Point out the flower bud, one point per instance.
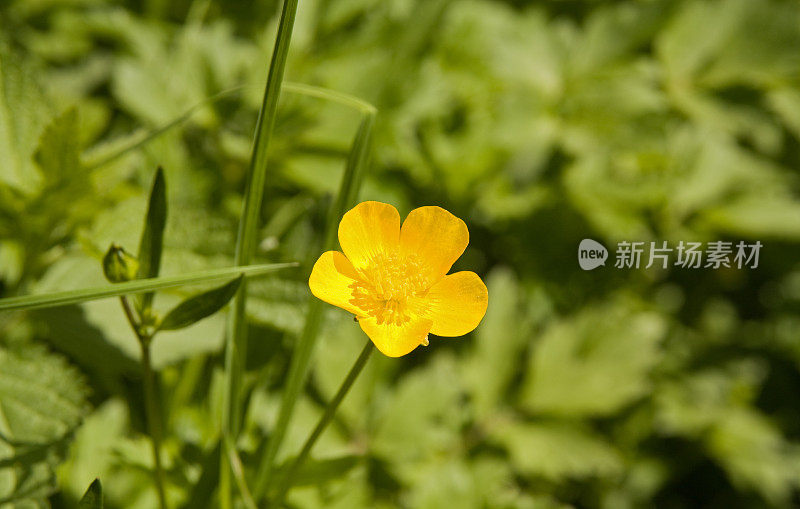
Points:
(119, 265)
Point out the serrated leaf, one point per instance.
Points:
(711, 407)
(558, 450)
(24, 112)
(200, 306)
(152, 242)
(93, 498)
(59, 150)
(499, 341)
(593, 363)
(424, 413)
(42, 401)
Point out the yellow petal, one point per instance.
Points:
(436, 237)
(370, 228)
(456, 304)
(396, 340)
(331, 278)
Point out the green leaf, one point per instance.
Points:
(42, 402)
(134, 287)
(94, 450)
(423, 414)
(558, 450)
(200, 306)
(24, 111)
(316, 472)
(58, 153)
(102, 155)
(593, 363)
(278, 303)
(500, 340)
(152, 242)
(684, 47)
(711, 406)
(202, 492)
(93, 498)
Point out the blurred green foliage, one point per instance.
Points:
(539, 123)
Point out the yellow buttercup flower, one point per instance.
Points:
(395, 279)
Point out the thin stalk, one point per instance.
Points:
(236, 338)
(153, 419)
(93, 161)
(238, 474)
(298, 369)
(326, 418)
(152, 413)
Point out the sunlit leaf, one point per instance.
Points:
(152, 241)
(200, 306)
(93, 498)
(593, 363)
(42, 401)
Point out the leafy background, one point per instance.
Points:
(539, 123)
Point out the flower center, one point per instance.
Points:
(387, 287)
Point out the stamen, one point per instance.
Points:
(387, 285)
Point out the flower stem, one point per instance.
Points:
(153, 419)
(326, 418)
(152, 413)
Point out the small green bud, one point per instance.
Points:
(119, 265)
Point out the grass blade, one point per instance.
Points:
(96, 158)
(327, 94)
(236, 346)
(135, 287)
(236, 337)
(298, 370)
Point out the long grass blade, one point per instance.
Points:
(135, 287)
(96, 158)
(298, 370)
(330, 95)
(248, 224)
(236, 337)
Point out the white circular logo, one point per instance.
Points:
(591, 254)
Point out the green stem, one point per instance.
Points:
(236, 339)
(153, 419)
(326, 418)
(237, 469)
(152, 413)
(298, 369)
